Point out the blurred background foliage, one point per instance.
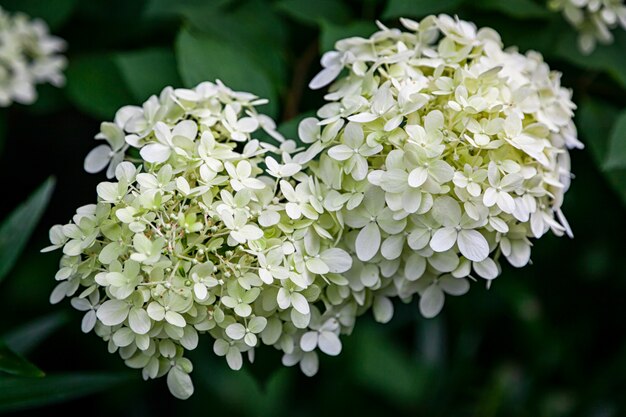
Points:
(546, 340)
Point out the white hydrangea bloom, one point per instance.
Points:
(196, 239)
(437, 153)
(447, 153)
(29, 55)
(593, 19)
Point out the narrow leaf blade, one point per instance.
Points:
(20, 393)
(17, 228)
(14, 364)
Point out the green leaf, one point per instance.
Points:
(314, 12)
(14, 364)
(419, 8)
(201, 58)
(55, 13)
(594, 119)
(183, 8)
(96, 86)
(331, 32)
(616, 155)
(20, 393)
(148, 71)
(28, 336)
(608, 58)
(382, 367)
(241, 391)
(17, 228)
(521, 9)
(255, 29)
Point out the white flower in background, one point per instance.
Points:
(29, 55)
(593, 19)
(457, 148)
(197, 239)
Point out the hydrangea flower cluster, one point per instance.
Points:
(197, 239)
(594, 19)
(442, 153)
(28, 56)
(437, 153)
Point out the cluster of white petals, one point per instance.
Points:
(442, 153)
(197, 239)
(28, 56)
(437, 154)
(594, 19)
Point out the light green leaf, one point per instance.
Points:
(55, 13)
(14, 364)
(148, 71)
(96, 86)
(17, 228)
(28, 336)
(521, 9)
(419, 8)
(20, 393)
(331, 32)
(313, 12)
(201, 58)
(616, 154)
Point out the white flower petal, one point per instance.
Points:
(325, 77)
(431, 301)
(308, 341)
(443, 239)
(368, 242)
(454, 286)
(309, 363)
(338, 260)
(473, 245)
(113, 312)
(236, 331)
(234, 359)
(300, 303)
(308, 130)
(382, 309)
(487, 269)
(175, 319)
(98, 159)
(329, 343)
(179, 383)
(415, 267)
(317, 266)
(418, 177)
(155, 153)
(139, 321)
